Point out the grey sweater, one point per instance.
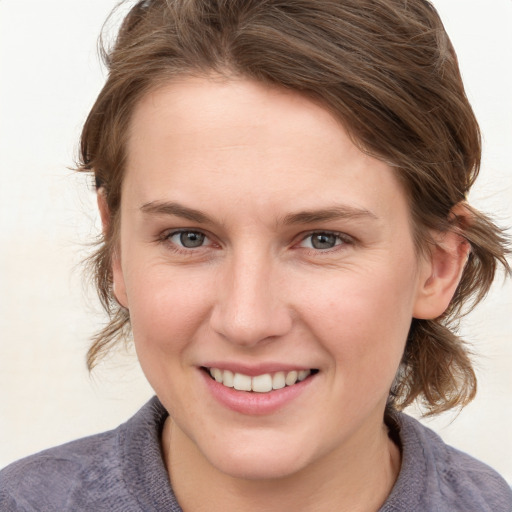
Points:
(122, 470)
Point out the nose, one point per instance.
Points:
(251, 307)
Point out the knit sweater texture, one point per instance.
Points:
(122, 471)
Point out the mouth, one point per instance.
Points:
(264, 383)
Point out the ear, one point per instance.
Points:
(101, 198)
(442, 269)
(118, 284)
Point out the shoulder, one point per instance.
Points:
(87, 474)
(48, 479)
(440, 478)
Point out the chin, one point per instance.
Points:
(260, 460)
(265, 468)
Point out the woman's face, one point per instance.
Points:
(259, 243)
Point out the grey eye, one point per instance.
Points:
(322, 241)
(188, 239)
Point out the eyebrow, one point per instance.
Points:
(176, 209)
(301, 217)
(334, 213)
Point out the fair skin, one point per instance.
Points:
(256, 238)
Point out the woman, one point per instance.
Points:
(282, 187)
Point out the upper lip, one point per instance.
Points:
(253, 370)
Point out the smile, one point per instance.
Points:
(259, 383)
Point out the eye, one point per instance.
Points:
(323, 240)
(187, 239)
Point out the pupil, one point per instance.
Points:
(191, 239)
(323, 241)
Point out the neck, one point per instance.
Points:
(357, 479)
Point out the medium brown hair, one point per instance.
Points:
(385, 68)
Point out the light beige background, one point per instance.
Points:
(49, 77)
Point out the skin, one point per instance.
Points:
(251, 158)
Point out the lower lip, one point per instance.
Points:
(252, 403)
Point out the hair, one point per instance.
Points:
(386, 69)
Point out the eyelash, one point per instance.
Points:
(342, 240)
(166, 239)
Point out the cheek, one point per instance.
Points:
(168, 312)
(166, 307)
(363, 319)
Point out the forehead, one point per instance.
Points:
(226, 113)
(248, 143)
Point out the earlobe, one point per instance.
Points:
(441, 273)
(118, 284)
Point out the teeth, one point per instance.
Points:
(228, 379)
(279, 380)
(242, 382)
(260, 383)
(302, 375)
(291, 378)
